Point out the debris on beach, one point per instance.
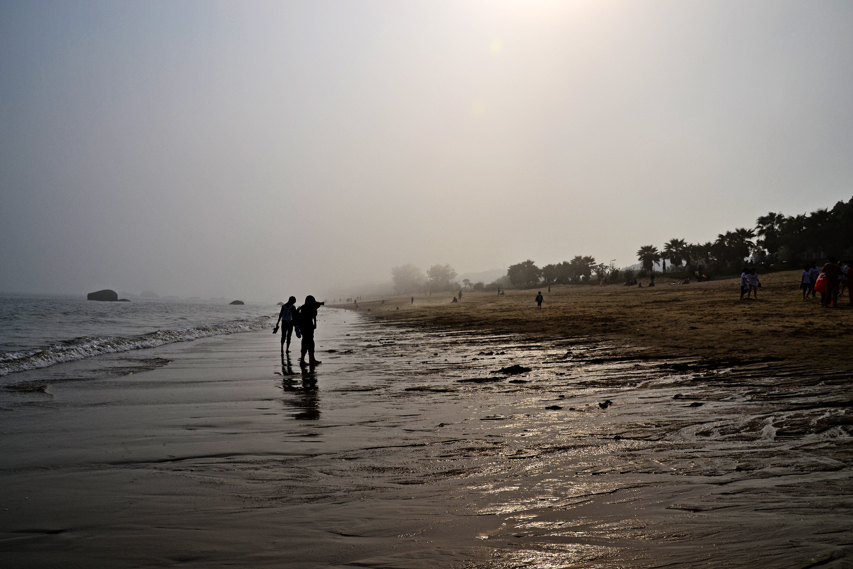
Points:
(605, 404)
(513, 370)
(553, 408)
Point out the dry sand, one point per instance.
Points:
(699, 319)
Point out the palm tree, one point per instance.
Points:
(675, 250)
(732, 247)
(769, 228)
(648, 256)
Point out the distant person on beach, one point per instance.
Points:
(832, 272)
(539, 300)
(307, 322)
(806, 281)
(413, 300)
(814, 272)
(845, 270)
(753, 282)
(744, 283)
(286, 318)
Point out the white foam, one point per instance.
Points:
(88, 347)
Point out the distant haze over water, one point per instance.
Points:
(256, 149)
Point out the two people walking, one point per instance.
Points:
(303, 321)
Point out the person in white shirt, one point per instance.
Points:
(806, 281)
(754, 283)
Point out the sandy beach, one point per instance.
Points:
(704, 319)
(481, 434)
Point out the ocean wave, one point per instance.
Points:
(89, 346)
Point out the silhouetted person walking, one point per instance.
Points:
(286, 317)
(307, 322)
(832, 272)
(539, 300)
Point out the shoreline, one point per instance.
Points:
(704, 319)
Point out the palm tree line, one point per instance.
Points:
(776, 241)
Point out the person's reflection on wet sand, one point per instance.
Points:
(306, 398)
(286, 365)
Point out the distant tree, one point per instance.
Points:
(600, 270)
(698, 256)
(580, 268)
(524, 274)
(648, 255)
(499, 284)
(550, 274)
(479, 286)
(408, 279)
(467, 284)
(440, 277)
(768, 228)
(733, 247)
(563, 272)
(676, 251)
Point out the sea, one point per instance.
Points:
(38, 332)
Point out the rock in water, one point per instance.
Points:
(106, 294)
(237, 302)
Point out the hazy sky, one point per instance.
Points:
(260, 149)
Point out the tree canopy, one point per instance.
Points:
(408, 279)
(524, 274)
(440, 277)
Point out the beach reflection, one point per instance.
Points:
(302, 385)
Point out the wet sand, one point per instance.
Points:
(439, 439)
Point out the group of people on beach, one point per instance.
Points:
(830, 281)
(749, 283)
(303, 321)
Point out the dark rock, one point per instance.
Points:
(553, 407)
(105, 295)
(237, 302)
(605, 404)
